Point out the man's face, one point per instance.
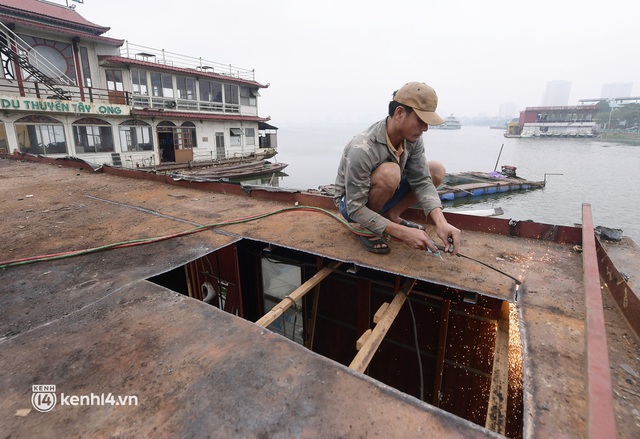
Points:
(411, 126)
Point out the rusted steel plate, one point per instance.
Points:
(31, 295)
(62, 217)
(554, 380)
(619, 265)
(195, 372)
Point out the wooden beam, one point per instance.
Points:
(368, 350)
(296, 295)
(497, 407)
(363, 339)
(378, 315)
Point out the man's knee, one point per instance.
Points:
(437, 171)
(386, 176)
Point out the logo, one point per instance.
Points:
(44, 397)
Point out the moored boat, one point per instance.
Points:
(68, 90)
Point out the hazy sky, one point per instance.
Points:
(340, 60)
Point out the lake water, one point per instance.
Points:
(603, 174)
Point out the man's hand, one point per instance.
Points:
(450, 236)
(414, 238)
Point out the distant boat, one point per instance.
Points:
(450, 123)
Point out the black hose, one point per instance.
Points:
(515, 279)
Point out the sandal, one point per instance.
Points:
(411, 224)
(370, 244)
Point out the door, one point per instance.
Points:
(220, 154)
(115, 87)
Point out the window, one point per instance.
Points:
(210, 96)
(114, 80)
(135, 135)
(53, 58)
(139, 80)
(210, 91)
(4, 145)
(248, 96)
(279, 280)
(191, 128)
(250, 134)
(236, 136)
(186, 88)
(40, 135)
(162, 85)
(92, 135)
(84, 62)
(231, 94)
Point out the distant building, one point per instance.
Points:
(556, 93)
(555, 121)
(613, 90)
(508, 110)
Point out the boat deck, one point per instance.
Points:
(94, 324)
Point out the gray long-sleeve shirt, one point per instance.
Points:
(362, 155)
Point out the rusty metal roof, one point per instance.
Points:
(93, 324)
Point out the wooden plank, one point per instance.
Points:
(296, 295)
(363, 339)
(366, 353)
(378, 315)
(497, 407)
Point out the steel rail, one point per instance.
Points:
(601, 421)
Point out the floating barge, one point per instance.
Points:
(475, 184)
(257, 314)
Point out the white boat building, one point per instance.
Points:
(68, 90)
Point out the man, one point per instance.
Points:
(383, 172)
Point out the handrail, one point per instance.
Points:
(161, 56)
(36, 59)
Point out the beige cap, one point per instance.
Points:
(422, 98)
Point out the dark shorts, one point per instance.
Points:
(403, 189)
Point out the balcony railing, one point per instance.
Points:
(164, 57)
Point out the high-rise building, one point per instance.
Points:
(507, 110)
(616, 90)
(556, 94)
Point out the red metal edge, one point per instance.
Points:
(601, 417)
(628, 302)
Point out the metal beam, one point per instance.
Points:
(601, 420)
